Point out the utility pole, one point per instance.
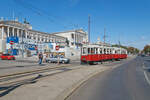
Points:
(13, 15)
(89, 28)
(104, 34)
(22, 51)
(119, 44)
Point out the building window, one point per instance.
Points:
(72, 36)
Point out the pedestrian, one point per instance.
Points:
(44, 57)
(40, 58)
(47, 56)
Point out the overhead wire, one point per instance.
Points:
(41, 12)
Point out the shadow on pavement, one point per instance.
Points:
(20, 66)
(7, 89)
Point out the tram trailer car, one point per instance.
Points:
(94, 53)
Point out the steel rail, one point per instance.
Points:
(2, 77)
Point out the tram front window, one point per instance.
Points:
(84, 51)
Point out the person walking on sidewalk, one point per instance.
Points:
(40, 58)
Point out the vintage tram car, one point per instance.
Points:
(94, 53)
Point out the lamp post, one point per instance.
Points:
(11, 43)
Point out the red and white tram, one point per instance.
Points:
(95, 53)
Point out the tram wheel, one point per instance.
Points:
(90, 62)
(82, 62)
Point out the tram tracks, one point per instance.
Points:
(9, 78)
(12, 81)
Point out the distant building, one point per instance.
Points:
(75, 38)
(102, 44)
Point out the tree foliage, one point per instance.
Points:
(146, 49)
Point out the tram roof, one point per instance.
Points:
(97, 46)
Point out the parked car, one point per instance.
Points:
(56, 58)
(142, 55)
(7, 57)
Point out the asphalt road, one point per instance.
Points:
(126, 82)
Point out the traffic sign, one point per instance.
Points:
(11, 42)
(57, 47)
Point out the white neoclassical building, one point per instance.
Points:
(24, 37)
(26, 40)
(75, 37)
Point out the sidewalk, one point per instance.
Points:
(56, 87)
(33, 58)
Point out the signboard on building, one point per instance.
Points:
(12, 38)
(57, 47)
(30, 46)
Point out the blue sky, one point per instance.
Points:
(124, 20)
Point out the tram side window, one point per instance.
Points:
(104, 51)
(123, 52)
(110, 51)
(89, 51)
(119, 52)
(84, 51)
(113, 51)
(107, 51)
(100, 50)
(92, 50)
(96, 50)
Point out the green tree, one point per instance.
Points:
(146, 49)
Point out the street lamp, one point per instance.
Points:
(22, 42)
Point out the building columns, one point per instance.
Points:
(13, 31)
(8, 31)
(26, 36)
(2, 32)
(17, 32)
(22, 34)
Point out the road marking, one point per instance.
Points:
(145, 74)
(146, 77)
(143, 65)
